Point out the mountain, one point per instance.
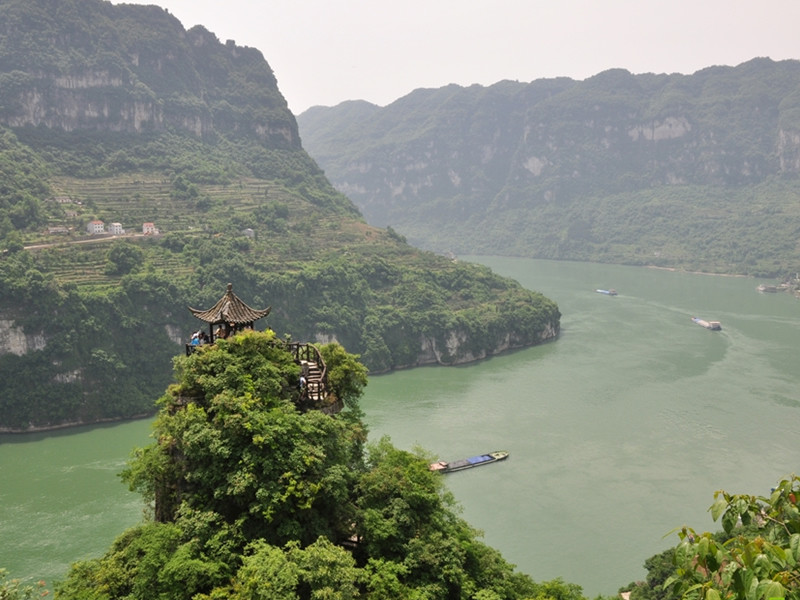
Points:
(142, 168)
(130, 68)
(688, 171)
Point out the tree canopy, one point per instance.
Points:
(252, 498)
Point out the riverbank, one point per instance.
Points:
(677, 270)
(794, 291)
(72, 424)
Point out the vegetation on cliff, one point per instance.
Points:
(101, 344)
(688, 171)
(116, 113)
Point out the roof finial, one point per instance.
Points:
(230, 288)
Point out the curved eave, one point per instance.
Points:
(238, 315)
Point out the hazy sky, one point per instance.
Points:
(326, 51)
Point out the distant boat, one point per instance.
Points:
(712, 325)
(609, 292)
(467, 463)
(767, 288)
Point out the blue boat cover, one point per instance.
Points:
(479, 459)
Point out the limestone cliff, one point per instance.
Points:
(14, 340)
(118, 78)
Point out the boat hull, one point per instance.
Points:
(712, 325)
(468, 463)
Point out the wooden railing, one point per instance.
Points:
(314, 369)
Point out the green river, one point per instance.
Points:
(618, 432)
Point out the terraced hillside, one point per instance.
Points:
(267, 219)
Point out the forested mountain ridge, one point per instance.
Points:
(690, 171)
(115, 113)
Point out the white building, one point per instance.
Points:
(96, 227)
(116, 229)
(149, 229)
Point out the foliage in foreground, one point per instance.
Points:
(254, 499)
(760, 558)
(754, 557)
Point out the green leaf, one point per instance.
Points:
(794, 548)
(777, 554)
(729, 520)
(718, 508)
(762, 565)
(703, 547)
(771, 589)
(751, 591)
(670, 581)
(689, 590)
(712, 594)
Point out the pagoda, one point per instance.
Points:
(228, 316)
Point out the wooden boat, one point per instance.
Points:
(468, 463)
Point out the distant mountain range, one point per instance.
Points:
(690, 171)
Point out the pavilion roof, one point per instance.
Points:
(230, 309)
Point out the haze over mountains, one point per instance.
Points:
(690, 171)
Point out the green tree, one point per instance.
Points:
(266, 574)
(347, 377)
(660, 567)
(320, 570)
(152, 560)
(412, 538)
(13, 242)
(231, 443)
(123, 257)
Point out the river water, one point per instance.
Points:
(618, 432)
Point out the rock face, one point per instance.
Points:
(13, 340)
(458, 348)
(116, 78)
(455, 352)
